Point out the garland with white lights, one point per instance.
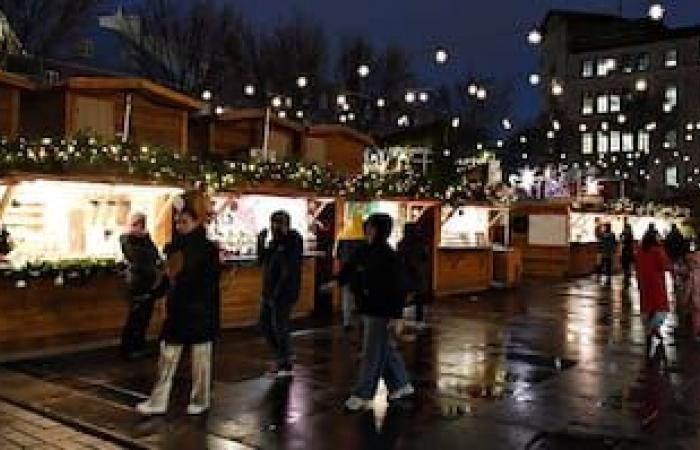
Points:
(64, 273)
(89, 157)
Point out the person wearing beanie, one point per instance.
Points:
(377, 279)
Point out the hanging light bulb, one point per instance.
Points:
(441, 55)
(249, 90)
(302, 82)
(481, 94)
(381, 103)
(206, 95)
(410, 97)
(656, 11)
(534, 79)
(363, 70)
(534, 37)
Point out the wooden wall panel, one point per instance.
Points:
(44, 317)
(461, 271)
(43, 114)
(9, 111)
(156, 124)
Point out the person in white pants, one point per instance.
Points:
(192, 316)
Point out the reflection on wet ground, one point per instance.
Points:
(546, 366)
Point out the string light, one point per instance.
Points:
(656, 11)
(363, 70)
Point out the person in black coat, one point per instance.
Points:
(192, 312)
(377, 278)
(142, 259)
(413, 252)
(627, 254)
(281, 261)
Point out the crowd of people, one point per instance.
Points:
(652, 259)
(376, 282)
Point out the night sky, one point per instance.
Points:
(485, 37)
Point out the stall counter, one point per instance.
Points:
(461, 270)
(43, 318)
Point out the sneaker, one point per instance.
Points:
(147, 409)
(284, 373)
(402, 393)
(354, 403)
(195, 410)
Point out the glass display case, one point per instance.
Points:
(239, 219)
(52, 220)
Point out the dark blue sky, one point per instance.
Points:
(485, 37)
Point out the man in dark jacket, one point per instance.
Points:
(281, 261)
(608, 247)
(142, 260)
(676, 246)
(377, 278)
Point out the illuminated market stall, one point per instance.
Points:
(238, 220)
(62, 285)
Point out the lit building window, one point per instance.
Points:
(627, 64)
(672, 176)
(671, 58)
(587, 69)
(643, 142)
(643, 62)
(670, 98)
(615, 103)
(587, 143)
(602, 104)
(602, 142)
(604, 66)
(614, 142)
(671, 139)
(587, 105)
(627, 142)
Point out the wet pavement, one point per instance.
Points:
(551, 365)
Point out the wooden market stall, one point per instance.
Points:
(67, 293)
(558, 240)
(111, 108)
(474, 252)
(340, 147)
(240, 216)
(11, 88)
(60, 285)
(238, 132)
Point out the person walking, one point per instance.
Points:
(281, 261)
(193, 308)
(414, 257)
(350, 239)
(142, 274)
(652, 263)
(676, 249)
(376, 277)
(608, 246)
(627, 254)
(692, 292)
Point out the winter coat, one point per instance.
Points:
(142, 259)
(608, 244)
(194, 298)
(378, 280)
(346, 248)
(652, 265)
(675, 245)
(627, 254)
(414, 258)
(281, 263)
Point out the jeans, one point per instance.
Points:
(380, 360)
(274, 324)
(348, 300)
(606, 269)
(138, 318)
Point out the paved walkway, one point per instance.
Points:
(551, 365)
(22, 429)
